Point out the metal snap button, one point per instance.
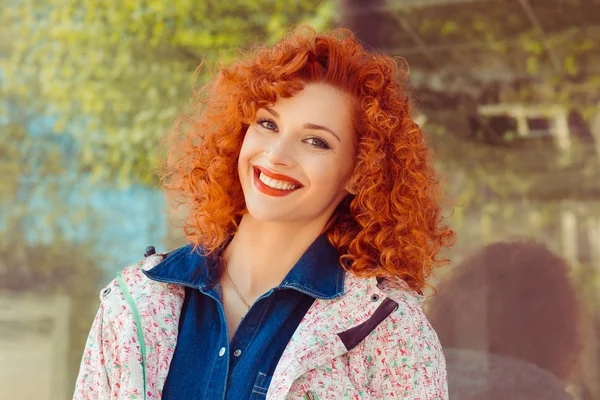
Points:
(105, 292)
(150, 250)
(237, 353)
(222, 352)
(375, 298)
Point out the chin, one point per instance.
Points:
(265, 211)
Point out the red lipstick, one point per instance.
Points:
(262, 187)
(278, 177)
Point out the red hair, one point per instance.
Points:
(390, 228)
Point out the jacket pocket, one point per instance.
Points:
(261, 385)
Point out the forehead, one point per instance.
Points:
(318, 103)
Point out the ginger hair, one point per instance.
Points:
(390, 228)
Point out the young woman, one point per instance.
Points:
(313, 225)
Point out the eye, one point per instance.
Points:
(317, 142)
(267, 124)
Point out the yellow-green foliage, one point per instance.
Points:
(116, 72)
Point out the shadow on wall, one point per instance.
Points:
(509, 322)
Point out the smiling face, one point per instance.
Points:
(298, 156)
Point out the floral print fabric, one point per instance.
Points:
(400, 359)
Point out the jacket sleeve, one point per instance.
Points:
(92, 381)
(413, 365)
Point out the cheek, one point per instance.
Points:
(247, 149)
(328, 176)
(250, 146)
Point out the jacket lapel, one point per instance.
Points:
(316, 341)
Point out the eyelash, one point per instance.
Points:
(323, 144)
(262, 121)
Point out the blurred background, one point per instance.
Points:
(507, 91)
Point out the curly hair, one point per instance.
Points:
(514, 299)
(390, 228)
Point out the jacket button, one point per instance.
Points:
(150, 250)
(237, 353)
(222, 352)
(105, 292)
(375, 298)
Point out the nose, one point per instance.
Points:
(280, 151)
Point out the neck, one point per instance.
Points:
(261, 254)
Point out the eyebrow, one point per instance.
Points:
(322, 128)
(307, 125)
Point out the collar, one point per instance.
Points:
(317, 273)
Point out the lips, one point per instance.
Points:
(278, 177)
(262, 187)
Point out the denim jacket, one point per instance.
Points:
(373, 342)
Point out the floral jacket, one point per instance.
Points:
(373, 342)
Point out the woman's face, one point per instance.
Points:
(298, 156)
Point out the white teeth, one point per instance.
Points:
(275, 184)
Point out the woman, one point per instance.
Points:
(313, 225)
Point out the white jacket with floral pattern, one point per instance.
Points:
(373, 342)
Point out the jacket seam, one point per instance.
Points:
(310, 292)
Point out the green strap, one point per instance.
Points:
(138, 323)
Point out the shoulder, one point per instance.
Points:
(408, 322)
(406, 347)
(135, 314)
(131, 282)
(408, 319)
(399, 291)
(133, 275)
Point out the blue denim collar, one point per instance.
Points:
(317, 273)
